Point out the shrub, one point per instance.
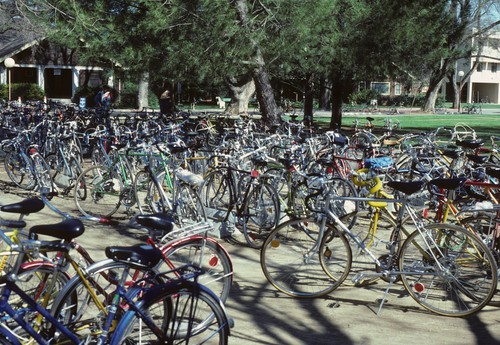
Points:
(27, 92)
(363, 96)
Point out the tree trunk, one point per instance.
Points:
(271, 114)
(456, 89)
(308, 101)
(435, 83)
(242, 90)
(142, 96)
(431, 97)
(325, 93)
(265, 94)
(338, 90)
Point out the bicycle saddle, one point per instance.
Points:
(66, 230)
(477, 159)
(453, 154)
(24, 207)
(493, 172)
(156, 221)
(141, 255)
(448, 183)
(406, 187)
(470, 143)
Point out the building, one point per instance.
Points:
(483, 86)
(54, 68)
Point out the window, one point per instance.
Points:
(480, 67)
(397, 89)
(381, 88)
(494, 67)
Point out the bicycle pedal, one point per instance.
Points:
(359, 278)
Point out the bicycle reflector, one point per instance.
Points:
(419, 287)
(254, 173)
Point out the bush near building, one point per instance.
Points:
(27, 92)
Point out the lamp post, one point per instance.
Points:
(9, 63)
(460, 75)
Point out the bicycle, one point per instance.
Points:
(249, 202)
(85, 299)
(140, 300)
(157, 189)
(24, 164)
(100, 190)
(444, 268)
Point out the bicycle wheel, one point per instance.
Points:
(448, 270)
(83, 309)
(64, 174)
(345, 209)
(180, 313)
(206, 254)
(36, 280)
(142, 183)
(188, 208)
(42, 173)
(18, 171)
(216, 190)
(98, 191)
(290, 259)
(261, 214)
(484, 225)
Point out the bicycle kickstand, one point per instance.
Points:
(384, 297)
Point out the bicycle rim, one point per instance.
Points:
(448, 271)
(290, 260)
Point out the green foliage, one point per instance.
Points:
(27, 92)
(363, 96)
(204, 41)
(128, 96)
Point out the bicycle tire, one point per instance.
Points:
(194, 315)
(98, 191)
(261, 214)
(42, 173)
(483, 225)
(188, 208)
(35, 280)
(216, 190)
(206, 254)
(84, 316)
(288, 265)
(63, 175)
(455, 275)
(18, 171)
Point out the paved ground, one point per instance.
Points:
(263, 316)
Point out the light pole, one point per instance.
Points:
(9, 63)
(460, 75)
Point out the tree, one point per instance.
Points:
(467, 23)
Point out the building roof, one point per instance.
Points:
(13, 42)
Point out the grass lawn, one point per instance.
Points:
(484, 124)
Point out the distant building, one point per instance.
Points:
(484, 83)
(54, 68)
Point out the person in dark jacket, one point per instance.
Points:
(167, 103)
